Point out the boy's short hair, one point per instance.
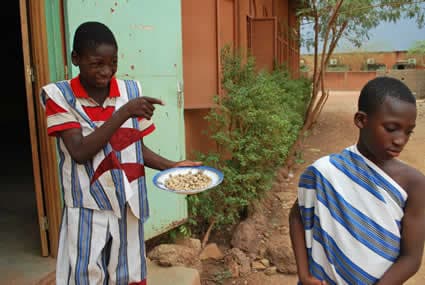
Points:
(90, 35)
(374, 92)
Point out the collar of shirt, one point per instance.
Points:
(80, 92)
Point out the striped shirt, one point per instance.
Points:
(352, 212)
(115, 175)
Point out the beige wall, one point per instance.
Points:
(415, 80)
(347, 80)
(357, 60)
(352, 80)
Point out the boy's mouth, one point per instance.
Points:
(102, 82)
(393, 153)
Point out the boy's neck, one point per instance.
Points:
(97, 94)
(369, 155)
(383, 164)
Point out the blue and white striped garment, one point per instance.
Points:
(352, 212)
(97, 247)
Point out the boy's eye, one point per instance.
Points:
(99, 64)
(390, 129)
(95, 64)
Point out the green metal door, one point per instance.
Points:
(150, 50)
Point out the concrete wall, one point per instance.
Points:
(415, 80)
(351, 81)
(356, 61)
(347, 80)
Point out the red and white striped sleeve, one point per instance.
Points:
(58, 117)
(146, 126)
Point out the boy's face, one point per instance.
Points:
(385, 132)
(97, 66)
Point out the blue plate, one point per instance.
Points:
(215, 175)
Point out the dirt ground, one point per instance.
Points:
(333, 131)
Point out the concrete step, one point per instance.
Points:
(157, 275)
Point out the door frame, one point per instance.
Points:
(42, 38)
(41, 213)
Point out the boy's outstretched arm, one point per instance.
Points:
(155, 161)
(83, 148)
(412, 236)
(296, 230)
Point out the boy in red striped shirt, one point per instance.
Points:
(100, 122)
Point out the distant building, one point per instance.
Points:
(367, 61)
(350, 71)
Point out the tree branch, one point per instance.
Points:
(325, 11)
(333, 44)
(330, 24)
(316, 48)
(369, 7)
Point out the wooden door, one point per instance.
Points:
(40, 51)
(262, 41)
(33, 129)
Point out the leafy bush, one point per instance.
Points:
(253, 125)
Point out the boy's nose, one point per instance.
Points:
(106, 71)
(400, 140)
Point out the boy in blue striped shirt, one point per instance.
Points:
(360, 214)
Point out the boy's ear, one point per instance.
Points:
(74, 58)
(360, 119)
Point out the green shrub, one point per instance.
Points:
(253, 125)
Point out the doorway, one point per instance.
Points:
(20, 254)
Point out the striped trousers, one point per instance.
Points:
(97, 247)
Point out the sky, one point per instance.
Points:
(386, 37)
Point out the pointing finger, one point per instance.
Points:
(154, 100)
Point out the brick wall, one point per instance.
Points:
(354, 81)
(347, 80)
